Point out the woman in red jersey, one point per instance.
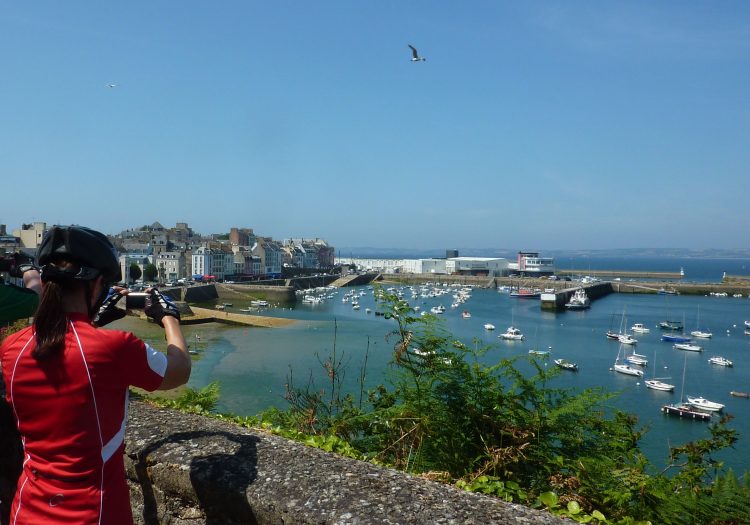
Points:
(67, 382)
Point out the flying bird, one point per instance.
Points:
(415, 55)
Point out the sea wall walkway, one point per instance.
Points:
(185, 469)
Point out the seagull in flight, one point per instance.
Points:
(415, 55)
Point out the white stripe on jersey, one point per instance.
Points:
(156, 360)
(113, 444)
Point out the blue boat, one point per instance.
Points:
(675, 338)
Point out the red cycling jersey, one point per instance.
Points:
(71, 411)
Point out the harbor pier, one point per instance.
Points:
(611, 274)
(558, 299)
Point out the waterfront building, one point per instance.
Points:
(30, 235)
(171, 266)
(271, 254)
(202, 261)
(531, 263)
(294, 255)
(489, 266)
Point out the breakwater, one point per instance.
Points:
(621, 273)
(739, 286)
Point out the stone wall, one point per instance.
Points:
(185, 469)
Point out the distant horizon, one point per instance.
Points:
(717, 253)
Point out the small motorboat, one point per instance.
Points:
(636, 359)
(671, 325)
(465, 314)
(735, 393)
(566, 365)
(542, 353)
(704, 404)
(612, 335)
(639, 328)
(627, 339)
(721, 361)
(627, 370)
(701, 334)
(655, 384)
(489, 326)
(512, 334)
(689, 347)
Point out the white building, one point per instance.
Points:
(530, 263)
(171, 266)
(490, 266)
(203, 263)
(31, 235)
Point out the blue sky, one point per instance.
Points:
(531, 124)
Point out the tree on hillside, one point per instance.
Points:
(150, 272)
(135, 272)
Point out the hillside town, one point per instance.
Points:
(178, 254)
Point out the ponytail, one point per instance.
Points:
(50, 321)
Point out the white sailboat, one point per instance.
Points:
(683, 409)
(656, 383)
(700, 332)
(625, 368)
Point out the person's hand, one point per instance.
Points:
(20, 263)
(159, 306)
(108, 311)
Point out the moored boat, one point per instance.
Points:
(465, 314)
(671, 338)
(704, 404)
(688, 347)
(627, 370)
(636, 359)
(721, 361)
(566, 365)
(526, 293)
(612, 335)
(627, 339)
(671, 325)
(656, 384)
(701, 334)
(686, 411)
(512, 334)
(489, 326)
(735, 393)
(578, 301)
(639, 328)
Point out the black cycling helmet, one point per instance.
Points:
(90, 249)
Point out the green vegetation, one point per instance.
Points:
(135, 271)
(447, 415)
(150, 272)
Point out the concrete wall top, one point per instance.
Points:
(187, 469)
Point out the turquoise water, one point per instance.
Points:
(254, 364)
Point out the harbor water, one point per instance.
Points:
(253, 365)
